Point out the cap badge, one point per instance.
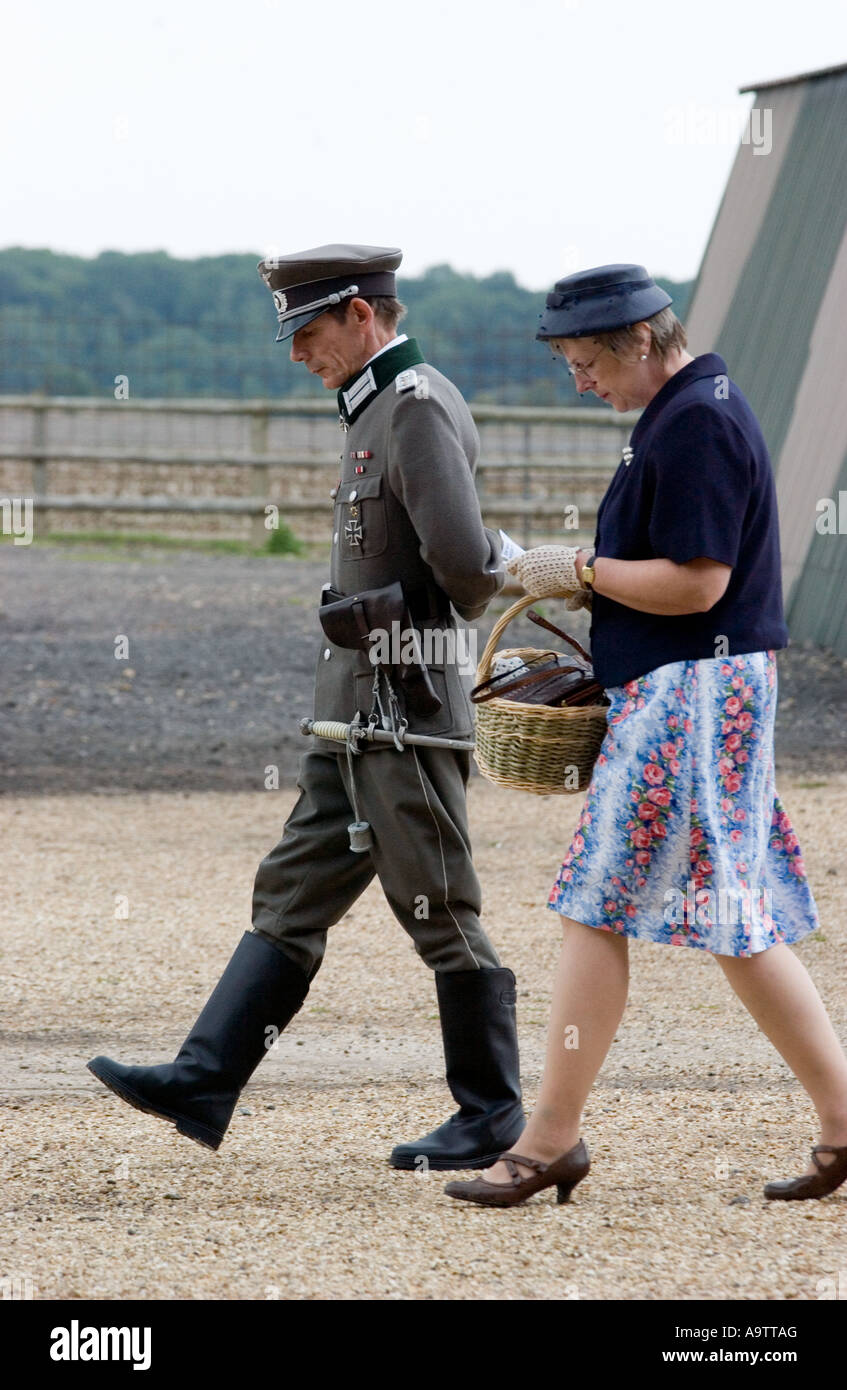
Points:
(281, 301)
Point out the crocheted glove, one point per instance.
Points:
(548, 571)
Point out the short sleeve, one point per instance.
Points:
(702, 474)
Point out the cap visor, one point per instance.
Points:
(290, 325)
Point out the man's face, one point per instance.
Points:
(331, 348)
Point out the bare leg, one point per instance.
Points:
(778, 991)
(589, 996)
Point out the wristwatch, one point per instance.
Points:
(587, 574)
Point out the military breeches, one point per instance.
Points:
(415, 804)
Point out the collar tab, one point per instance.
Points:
(359, 390)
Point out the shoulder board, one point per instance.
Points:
(404, 381)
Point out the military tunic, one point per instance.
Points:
(405, 509)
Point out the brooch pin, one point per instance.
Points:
(627, 455)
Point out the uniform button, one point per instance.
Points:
(353, 495)
(327, 654)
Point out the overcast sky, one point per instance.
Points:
(538, 136)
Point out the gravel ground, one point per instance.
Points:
(692, 1112)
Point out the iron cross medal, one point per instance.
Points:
(353, 528)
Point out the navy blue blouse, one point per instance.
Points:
(699, 482)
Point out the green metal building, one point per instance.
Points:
(771, 298)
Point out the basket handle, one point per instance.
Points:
(484, 668)
(551, 627)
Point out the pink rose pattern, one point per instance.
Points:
(682, 797)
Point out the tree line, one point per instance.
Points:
(69, 325)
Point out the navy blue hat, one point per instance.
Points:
(600, 300)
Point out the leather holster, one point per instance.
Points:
(350, 620)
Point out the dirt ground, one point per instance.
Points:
(114, 803)
(217, 670)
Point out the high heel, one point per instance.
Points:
(819, 1184)
(563, 1173)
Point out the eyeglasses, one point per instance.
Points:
(578, 368)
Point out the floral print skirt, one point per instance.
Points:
(682, 837)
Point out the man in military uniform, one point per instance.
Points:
(408, 546)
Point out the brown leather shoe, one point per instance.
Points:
(819, 1184)
(564, 1173)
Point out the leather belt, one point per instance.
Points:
(425, 601)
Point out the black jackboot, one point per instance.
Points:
(477, 1010)
(260, 989)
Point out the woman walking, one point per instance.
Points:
(682, 837)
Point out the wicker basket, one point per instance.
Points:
(534, 748)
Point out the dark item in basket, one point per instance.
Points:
(551, 678)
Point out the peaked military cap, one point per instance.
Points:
(307, 283)
(600, 300)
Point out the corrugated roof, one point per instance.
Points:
(817, 611)
(816, 443)
(788, 81)
(765, 337)
(740, 216)
(771, 298)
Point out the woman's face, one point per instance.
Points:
(625, 385)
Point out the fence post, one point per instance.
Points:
(40, 520)
(527, 491)
(259, 445)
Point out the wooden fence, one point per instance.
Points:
(541, 469)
